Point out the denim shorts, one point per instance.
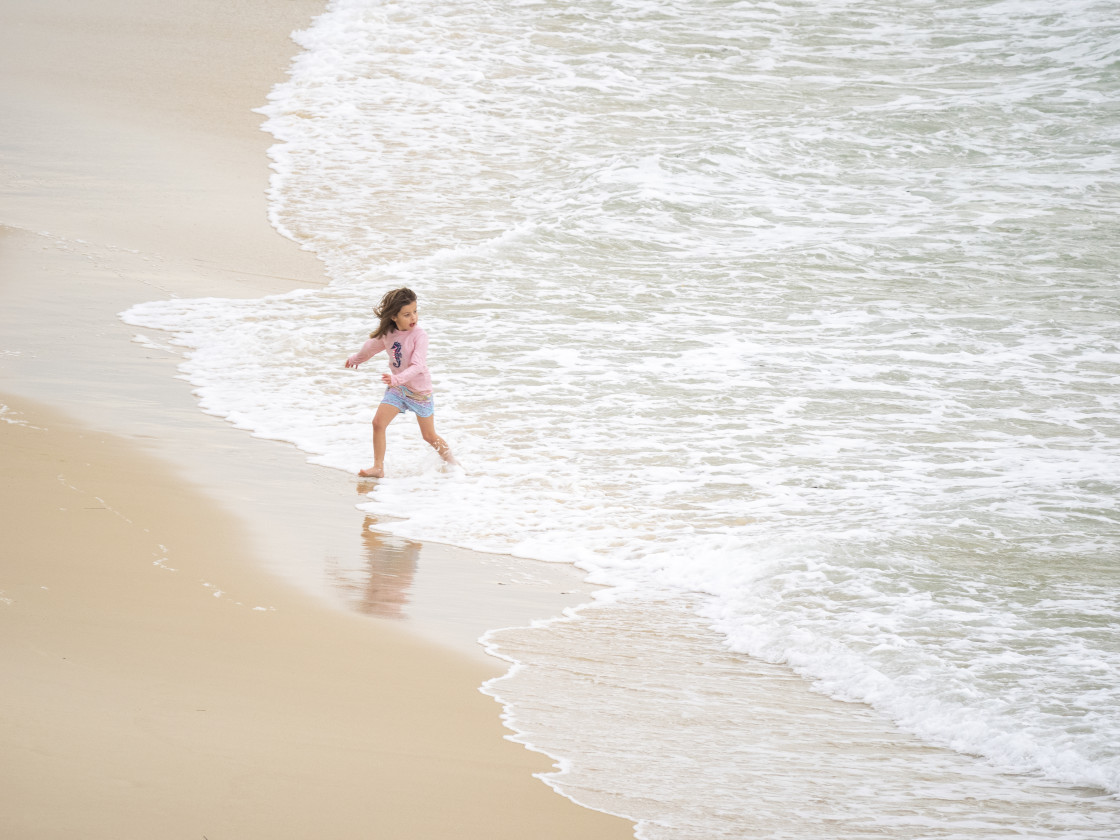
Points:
(402, 399)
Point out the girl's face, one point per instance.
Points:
(406, 318)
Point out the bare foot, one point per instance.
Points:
(372, 472)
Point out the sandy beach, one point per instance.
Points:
(171, 669)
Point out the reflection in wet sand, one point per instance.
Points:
(381, 588)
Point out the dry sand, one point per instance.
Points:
(158, 682)
(142, 700)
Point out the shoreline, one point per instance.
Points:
(138, 171)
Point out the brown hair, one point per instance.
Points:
(389, 308)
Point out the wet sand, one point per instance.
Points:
(201, 635)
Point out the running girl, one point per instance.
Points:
(410, 384)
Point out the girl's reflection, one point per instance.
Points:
(390, 566)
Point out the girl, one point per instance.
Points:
(410, 384)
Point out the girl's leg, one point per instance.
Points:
(428, 430)
(381, 420)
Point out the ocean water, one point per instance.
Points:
(796, 324)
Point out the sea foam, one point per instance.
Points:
(807, 311)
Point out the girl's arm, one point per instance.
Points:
(371, 348)
(417, 364)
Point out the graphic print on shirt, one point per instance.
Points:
(396, 354)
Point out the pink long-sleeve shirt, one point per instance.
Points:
(408, 357)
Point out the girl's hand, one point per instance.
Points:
(387, 379)
(350, 365)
